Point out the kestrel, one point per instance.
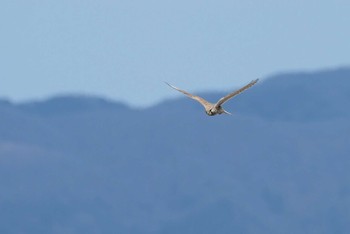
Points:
(212, 109)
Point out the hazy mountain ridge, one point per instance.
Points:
(71, 104)
(313, 96)
(278, 165)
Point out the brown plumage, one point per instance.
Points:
(215, 108)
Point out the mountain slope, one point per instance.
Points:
(85, 165)
(301, 97)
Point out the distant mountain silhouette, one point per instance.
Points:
(68, 104)
(280, 164)
(301, 97)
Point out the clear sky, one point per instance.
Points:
(124, 50)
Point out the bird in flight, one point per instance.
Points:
(212, 109)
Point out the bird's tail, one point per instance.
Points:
(226, 112)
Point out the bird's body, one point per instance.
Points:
(212, 109)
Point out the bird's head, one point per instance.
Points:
(210, 112)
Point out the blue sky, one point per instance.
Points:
(124, 50)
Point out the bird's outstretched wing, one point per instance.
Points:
(231, 95)
(202, 101)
